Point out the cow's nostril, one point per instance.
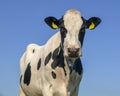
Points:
(73, 52)
(73, 49)
(77, 50)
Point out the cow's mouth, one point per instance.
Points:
(73, 55)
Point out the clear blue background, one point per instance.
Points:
(22, 23)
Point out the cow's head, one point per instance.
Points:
(72, 28)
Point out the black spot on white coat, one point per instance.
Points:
(53, 75)
(54, 63)
(59, 62)
(63, 32)
(78, 66)
(33, 50)
(27, 75)
(81, 35)
(56, 58)
(39, 64)
(82, 32)
(47, 59)
(55, 53)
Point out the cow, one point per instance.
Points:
(55, 69)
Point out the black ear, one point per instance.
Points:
(93, 22)
(52, 22)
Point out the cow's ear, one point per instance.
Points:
(93, 22)
(52, 22)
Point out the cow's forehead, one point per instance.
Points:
(73, 11)
(72, 20)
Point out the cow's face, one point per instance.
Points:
(72, 28)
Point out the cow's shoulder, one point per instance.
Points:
(31, 48)
(29, 53)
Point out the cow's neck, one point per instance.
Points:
(74, 64)
(68, 64)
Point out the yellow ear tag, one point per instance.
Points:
(54, 25)
(92, 26)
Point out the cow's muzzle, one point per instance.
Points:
(74, 52)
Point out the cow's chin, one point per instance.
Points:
(72, 58)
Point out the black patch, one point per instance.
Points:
(81, 35)
(56, 53)
(48, 58)
(27, 75)
(78, 66)
(63, 32)
(64, 70)
(20, 79)
(39, 64)
(61, 22)
(54, 63)
(33, 50)
(59, 62)
(82, 31)
(53, 75)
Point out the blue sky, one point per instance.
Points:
(22, 23)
